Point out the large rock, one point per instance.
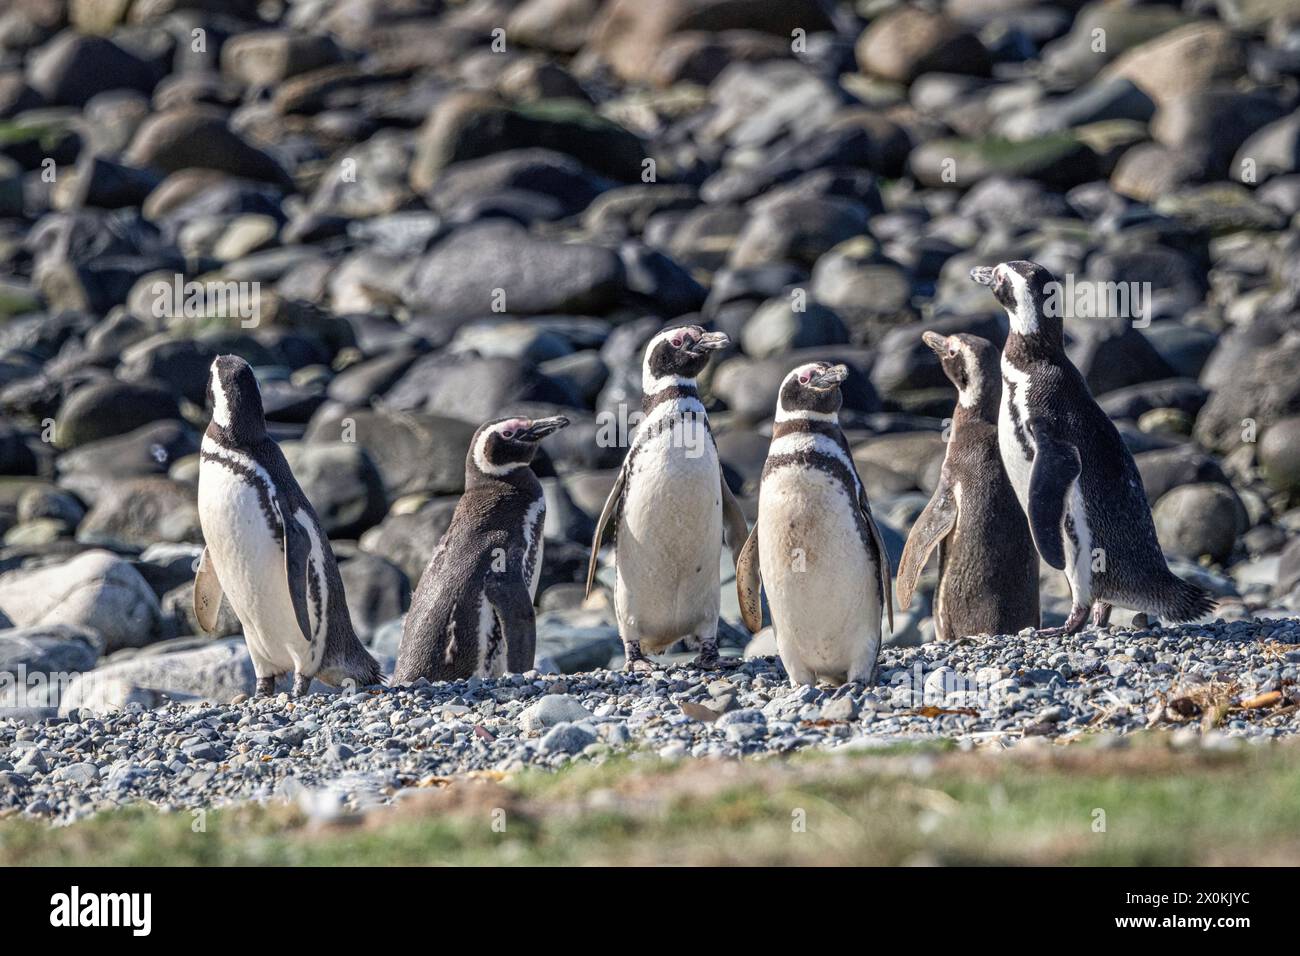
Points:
(1271, 151)
(470, 125)
(408, 539)
(268, 57)
(35, 662)
(1185, 60)
(71, 69)
(1060, 160)
(139, 512)
(1103, 32)
(472, 389)
(1192, 520)
(415, 453)
(776, 327)
(1210, 126)
(342, 484)
(96, 590)
(495, 266)
(1279, 455)
(217, 673)
(109, 407)
(630, 34)
(797, 229)
(377, 590)
(906, 42)
(197, 136)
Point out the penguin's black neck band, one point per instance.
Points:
(671, 393)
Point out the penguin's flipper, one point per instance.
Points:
(1056, 466)
(886, 572)
(297, 566)
(513, 607)
(207, 593)
(933, 525)
(749, 583)
(610, 509)
(733, 522)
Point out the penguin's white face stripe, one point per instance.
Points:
(480, 451)
(1024, 318)
(220, 401)
(969, 395)
(789, 415)
(653, 386)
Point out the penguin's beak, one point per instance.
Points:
(710, 342)
(831, 377)
(982, 274)
(541, 427)
(938, 343)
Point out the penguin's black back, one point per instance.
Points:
(988, 565)
(445, 608)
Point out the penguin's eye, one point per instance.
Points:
(677, 341)
(952, 349)
(805, 378)
(508, 433)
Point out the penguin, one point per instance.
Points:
(472, 612)
(1072, 473)
(265, 548)
(988, 568)
(668, 508)
(815, 548)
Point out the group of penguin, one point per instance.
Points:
(1033, 468)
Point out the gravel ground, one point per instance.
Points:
(332, 752)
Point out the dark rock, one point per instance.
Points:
(71, 69)
(107, 408)
(463, 273)
(199, 137)
(377, 592)
(1192, 520)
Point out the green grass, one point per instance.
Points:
(906, 805)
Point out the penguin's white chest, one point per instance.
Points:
(250, 564)
(820, 578)
(669, 539)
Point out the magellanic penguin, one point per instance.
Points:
(815, 548)
(988, 568)
(266, 550)
(1071, 471)
(472, 612)
(668, 508)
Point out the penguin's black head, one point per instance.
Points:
(811, 390)
(501, 447)
(1022, 287)
(971, 363)
(235, 399)
(679, 353)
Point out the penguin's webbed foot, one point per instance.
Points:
(710, 660)
(301, 683)
(265, 687)
(1101, 614)
(635, 659)
(1073, 624)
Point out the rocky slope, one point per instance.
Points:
(413, 216)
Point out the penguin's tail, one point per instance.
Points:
(1177, 600)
